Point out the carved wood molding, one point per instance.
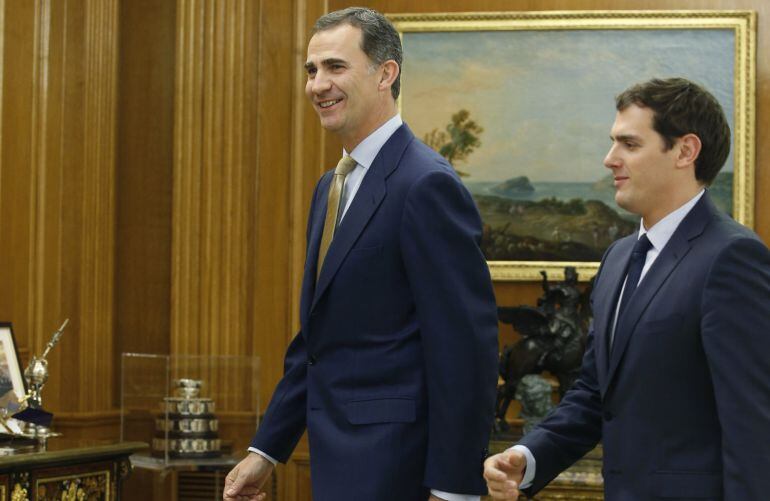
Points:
(97, 255)
(214, 176)
(57, 145)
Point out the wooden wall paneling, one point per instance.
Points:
(272, 232)
(214, 172)
(144, 178)
(298, 478)
(16, 174)
(98, 222)
(308, 158)
(57, 189)
(56, 233)
(187, 174)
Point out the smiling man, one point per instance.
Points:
(394, 371)
(676, 376)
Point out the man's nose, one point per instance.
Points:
(320, 83)
(611, 160)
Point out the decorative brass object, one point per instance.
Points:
(77, 487)
(19, 493)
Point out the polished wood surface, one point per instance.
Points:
(57, 190)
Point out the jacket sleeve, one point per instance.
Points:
(735, 329)
(455, 307)
(574, 427)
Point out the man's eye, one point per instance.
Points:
(311, 72)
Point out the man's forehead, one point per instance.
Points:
(342, 38)
(632, 120)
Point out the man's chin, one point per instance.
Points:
(622, 202)
(330, 124)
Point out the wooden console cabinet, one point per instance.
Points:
(64, 472)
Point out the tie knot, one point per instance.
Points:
(642, 246)
(345, 165)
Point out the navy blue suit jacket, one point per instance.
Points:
(394, 370)
(682, 402)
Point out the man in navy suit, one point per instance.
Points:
(676, 376)
(394, 371)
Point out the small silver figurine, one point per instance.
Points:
(37, 420)
(36, 373)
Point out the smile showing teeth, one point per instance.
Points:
(326, 104)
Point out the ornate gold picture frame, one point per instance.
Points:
(521, 104)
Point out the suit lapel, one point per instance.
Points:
(365, 203)
(613, 273)
(675, 250)
(317, 217)
(664, 265)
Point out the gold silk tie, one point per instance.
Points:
(344, 167)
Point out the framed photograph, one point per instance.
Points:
(12, 386)
(521, 105)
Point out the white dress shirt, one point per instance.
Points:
(659, 235)
(364, 154)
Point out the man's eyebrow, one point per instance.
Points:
(625, 137)
(326, 62)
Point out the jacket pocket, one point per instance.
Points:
(381, 410)
(366, 252)
(687, 484)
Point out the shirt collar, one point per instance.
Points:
(660, 234)
(366, 151)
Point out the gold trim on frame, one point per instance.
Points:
(742, 22)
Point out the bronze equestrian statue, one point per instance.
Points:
(553, 339)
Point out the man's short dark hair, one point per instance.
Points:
(682, 107)
(379, 41)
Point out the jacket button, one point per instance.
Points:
(608, 416)
(311, 360)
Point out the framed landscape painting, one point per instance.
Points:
(521, 104)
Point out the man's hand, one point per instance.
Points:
(245, 481)
(503, 473)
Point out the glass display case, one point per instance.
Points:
(195, 411)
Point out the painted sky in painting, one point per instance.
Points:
(546, 98)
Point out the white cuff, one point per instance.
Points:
(454, 497)
(529, 472)
(266, 456)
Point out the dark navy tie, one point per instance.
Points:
(635, 266)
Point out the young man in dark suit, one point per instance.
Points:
(676, 377)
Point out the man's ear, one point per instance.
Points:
(390, 71)
(689, 149)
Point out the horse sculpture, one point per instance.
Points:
(553, 339)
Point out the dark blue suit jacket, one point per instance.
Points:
(682, 403)
(394, 370)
